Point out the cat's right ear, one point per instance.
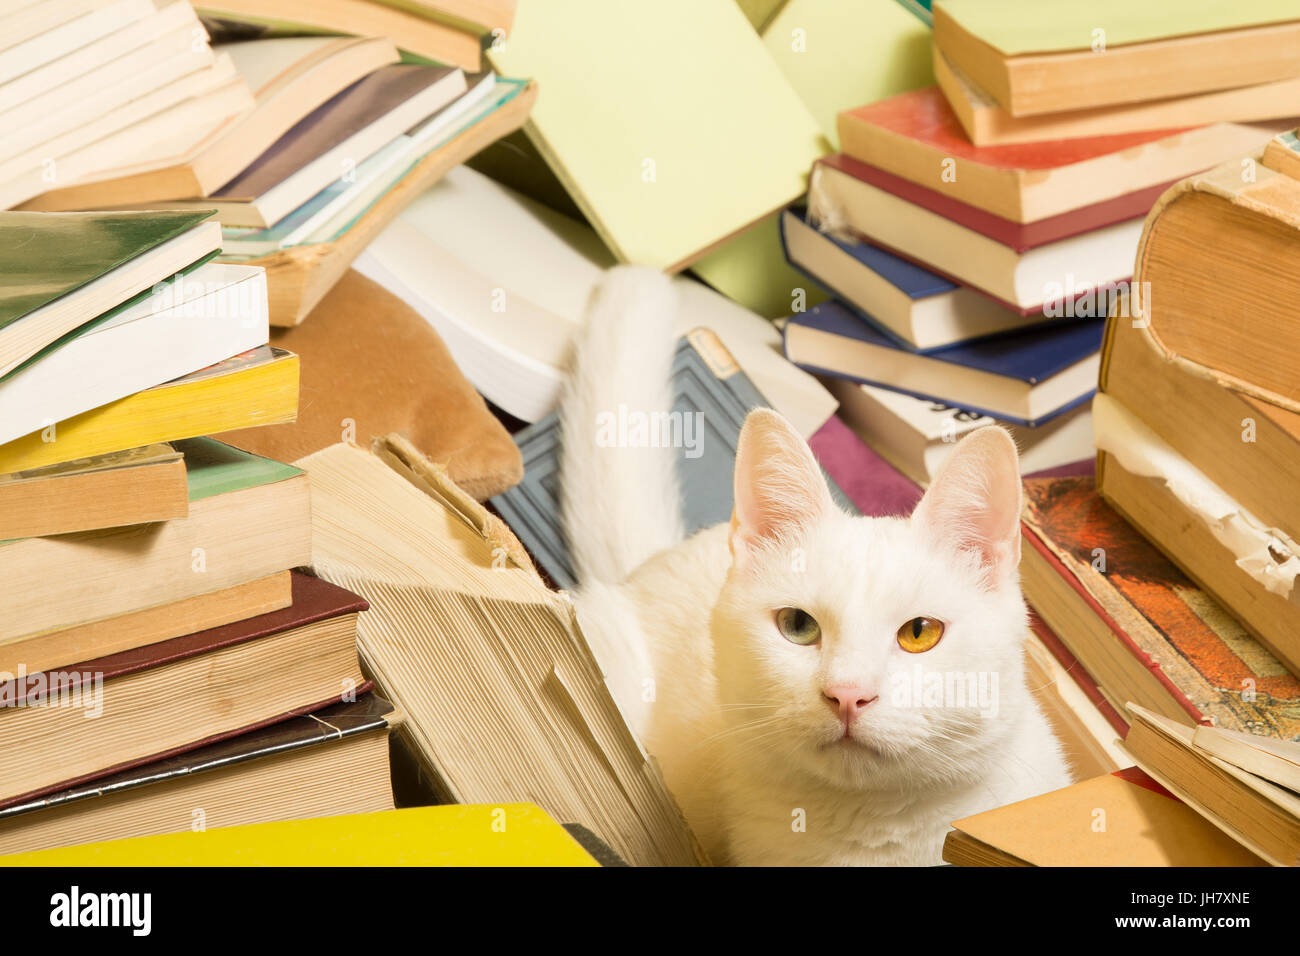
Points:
(779, 488)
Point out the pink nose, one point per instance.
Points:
(849, 700)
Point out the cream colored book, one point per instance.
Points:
(988, 124)
(287, 77)
(503, 697)
(469, 242)
(1277, 761)
(668, 123)
(1262, 817)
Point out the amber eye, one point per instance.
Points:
(798, 626)
(920, 634)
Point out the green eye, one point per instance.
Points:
(798, 626)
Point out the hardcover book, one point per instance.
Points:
(1027, 377)
(331, 761)
(1104, 589)
(917, 136)
(161, 699)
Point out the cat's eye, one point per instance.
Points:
(919, 634)
(798, 626)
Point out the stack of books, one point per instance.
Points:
(155, 637)
(1198, 423)
(86, 87)
(338, 135)
(973, 262)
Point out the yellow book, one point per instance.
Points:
(668, 123)
(258, 387)
(512, 834)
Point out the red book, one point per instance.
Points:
(917, 136)
(1015, 235)
(1145, 631)
(61, 728)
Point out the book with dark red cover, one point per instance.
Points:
(30, 695)
(1078, 673)
(1206, 661)
(338, 720)
(313, 600)
(1015, 235)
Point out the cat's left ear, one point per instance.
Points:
(974, 502)
(779, 488)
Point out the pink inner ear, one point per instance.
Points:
(778, 486)
(974, 502)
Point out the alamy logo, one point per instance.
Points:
(626, 428)
(75, 908)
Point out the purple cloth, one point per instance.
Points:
(874, 485)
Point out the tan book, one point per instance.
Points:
(1262, 817)
(1277, 761)
(327, 763)
(248, 517)
(1282, 153)
(121, 488)
(419, 34)
(1246, 446)
(288, 77)
(1188, 539)
(49, 650)
(1218, 253)
(460, 621)
(1083, 68)
(44, 31)
(988, 124)
(1119, 819)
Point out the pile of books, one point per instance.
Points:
(86, 87)
(974, 256)
(333, 136)
(157, 649)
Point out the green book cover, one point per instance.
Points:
(1014, 27)
(215, 468)
(47, 255)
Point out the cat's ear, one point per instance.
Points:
(779, 489)
(973, 504)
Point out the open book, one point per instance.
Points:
(504, 698)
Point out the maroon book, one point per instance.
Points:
(1019, 236)
(208, 686)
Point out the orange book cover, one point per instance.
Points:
(1202, 655)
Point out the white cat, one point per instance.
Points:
(818, 688)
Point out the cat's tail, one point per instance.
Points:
(620, 499)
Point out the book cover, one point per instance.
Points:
(257, 387)
(661, 158)
(1015, 28)
(340, 117)
(1019, 236)
(710, 391)
(925, 116)
(44, 257)
(416, 836)
(1204, 658)
(1145, 826)
(334, 722)
(1031, 357)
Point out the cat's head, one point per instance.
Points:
(871, 652)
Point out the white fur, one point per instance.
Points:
(735, 713)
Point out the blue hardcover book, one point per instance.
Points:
(914, 308)
(710, 387)
(1026, 378)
